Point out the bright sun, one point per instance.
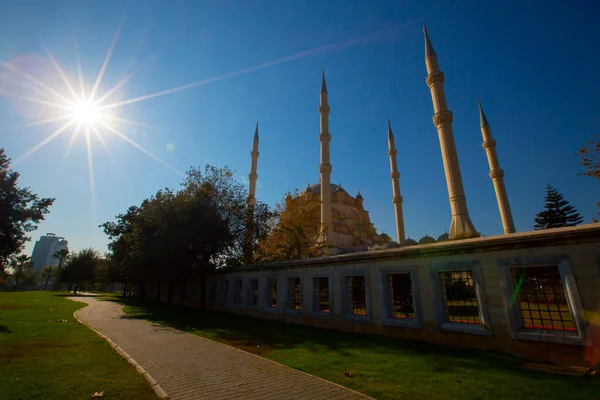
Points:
(86, 112)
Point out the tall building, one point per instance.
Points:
(44, 250)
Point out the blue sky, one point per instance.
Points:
(533, 68)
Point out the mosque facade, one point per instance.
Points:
(346, 225)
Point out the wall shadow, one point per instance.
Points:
(260, 336)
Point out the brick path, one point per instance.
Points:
(189, 367)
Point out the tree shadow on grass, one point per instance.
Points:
(76, 295)
(4, 329)
(261, 336)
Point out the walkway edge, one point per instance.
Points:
(264, 358)
(153, 384)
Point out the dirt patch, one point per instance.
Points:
(250, 346)
(554, 369)
(18, 350)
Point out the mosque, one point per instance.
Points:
(345, 222)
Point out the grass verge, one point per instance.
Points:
(383, 368)
(43, 358)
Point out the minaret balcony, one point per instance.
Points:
(497, 174)
(489, 144)
(442, 117)
(434, 78)
(325, 168)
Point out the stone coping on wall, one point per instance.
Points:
(540, 238)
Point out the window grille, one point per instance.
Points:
(293, 294)
(459, 297)
(356, 301)
(271, 293)
(400, 296)
(321, 294)
(253, 291)
(237, 292)
(540, 295)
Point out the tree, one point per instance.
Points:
(178, 237)
(20, 264)
(20, 211)
(47, 272)
(296, 231)
(62, 255)
(557, 212)
(80, 268)
(590, 160)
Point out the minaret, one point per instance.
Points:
(325, 167)
(253, 176)
(496, 174)
(395, 175)
(461, 225)
(253, 167)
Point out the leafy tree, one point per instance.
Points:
(296, 231)
(80, 268)
(178, 237)
(557, 212)
(20, 211)
(590, 160)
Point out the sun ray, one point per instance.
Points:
(36, 81)
(116, 87)
(71, 141)
(60, 71)
(255, 67)
(129, 121)
(36, 123)
(88, 146)
(34, 100)
(140, 148)
(44, 142)
(106, 60)
(103, 143)
(79, 72)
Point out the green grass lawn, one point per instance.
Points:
(383, 368)
(42, 358)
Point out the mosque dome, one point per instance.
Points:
(426, 240)
(316, 189)
(443, 237)
(409, 242)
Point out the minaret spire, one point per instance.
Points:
(323, 84)
(253, 176)
(461, 225)
(428, 46)
(395, 175)
(253, 168)
(325, 166)
(483, 122)
(496, 174)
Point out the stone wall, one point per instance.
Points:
(532, 294)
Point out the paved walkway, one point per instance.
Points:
(189, 367)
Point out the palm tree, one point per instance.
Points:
(48, 272)
(62, 255)
(21, 261)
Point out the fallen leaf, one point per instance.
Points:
(98, 394)
(348, 374)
